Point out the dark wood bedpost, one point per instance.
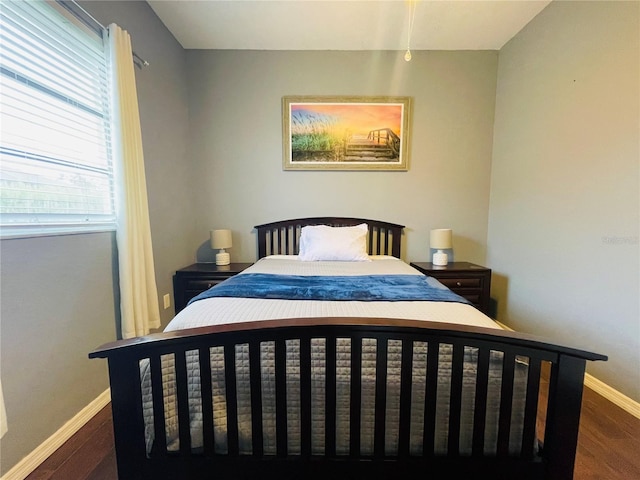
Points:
(563, 416)
(128, 423)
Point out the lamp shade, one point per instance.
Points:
(441, 238)
(221, 239)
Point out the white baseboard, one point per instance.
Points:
(620, 399)
(33, 460)
(614, 396)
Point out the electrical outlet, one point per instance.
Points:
(167, 301)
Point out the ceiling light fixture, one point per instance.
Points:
(412, 16)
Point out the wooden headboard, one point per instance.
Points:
(283, 237)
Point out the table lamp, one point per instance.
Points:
(221, 239)
(441, 239)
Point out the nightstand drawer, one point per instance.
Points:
(189, 294)
(199, 277)
(468, 280)
(474, 298)
(453, 283)
(201, 285)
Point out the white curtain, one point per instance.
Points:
(138, 292)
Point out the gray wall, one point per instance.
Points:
(58, 293)
(57, 303)
(236, 137)
(563, 227)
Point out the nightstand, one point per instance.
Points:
(194, 279)
(468, 280)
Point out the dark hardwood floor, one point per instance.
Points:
(88, 455)
(609, 447)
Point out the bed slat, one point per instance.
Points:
(183, 403)
(430, 399)
(204, 359)
(455, 402)
(531, 408)
(257, 445)
(231, 399)
(281, 397)
(305, 396)
(480, 408)
(155, 364)
(381, 397)
(356, 396)
(330, 397)
(406, 379)
(506, 401)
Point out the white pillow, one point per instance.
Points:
(322, 242)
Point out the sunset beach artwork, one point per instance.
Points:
(345, 133)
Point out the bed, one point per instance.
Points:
(332, 357)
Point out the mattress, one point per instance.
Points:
(231, 310)
(223, 310)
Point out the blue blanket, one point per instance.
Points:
(363, 288)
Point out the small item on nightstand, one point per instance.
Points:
(221, 239)
(440, 239)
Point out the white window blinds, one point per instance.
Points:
(56, 172)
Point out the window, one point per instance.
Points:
(56, 172)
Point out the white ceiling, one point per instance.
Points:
(345, 25)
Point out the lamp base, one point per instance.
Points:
(223, 258)
(440, 258)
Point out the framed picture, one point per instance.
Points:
(345, 133)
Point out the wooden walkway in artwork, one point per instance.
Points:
(379, 145)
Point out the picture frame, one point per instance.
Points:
(346, 132)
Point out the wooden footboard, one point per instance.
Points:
(265, 410)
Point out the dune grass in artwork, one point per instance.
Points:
(345, 135)
(313, 132)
